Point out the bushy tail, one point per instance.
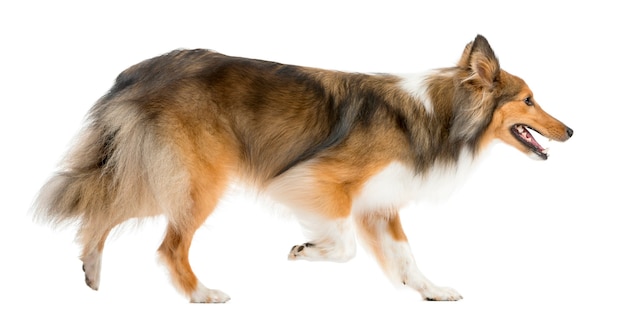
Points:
(84, 182)
(70, 194)
(117, 169)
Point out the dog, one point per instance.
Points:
(344, 151)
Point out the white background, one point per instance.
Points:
(523, 239)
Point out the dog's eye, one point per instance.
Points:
(529, 101)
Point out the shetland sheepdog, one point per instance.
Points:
(344, 151)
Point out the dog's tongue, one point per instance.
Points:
(524, 133)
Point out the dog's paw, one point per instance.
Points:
(434, 293)
(322, 252)
(91, 266)
(206, 295)
(301, 252)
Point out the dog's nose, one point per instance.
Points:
(570, 132)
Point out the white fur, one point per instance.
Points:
(331, 240)
(92, 264)
(417, 86)
(203, 294)
(401, 267)
(397, 260)
(396, 185)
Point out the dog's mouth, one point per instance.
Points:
(522, 133)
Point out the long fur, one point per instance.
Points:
(175, 130)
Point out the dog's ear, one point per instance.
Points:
(464, 62)
(481, 61)
(481, 72)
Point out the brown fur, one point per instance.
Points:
(176, 130)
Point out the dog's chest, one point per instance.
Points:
(397, 185)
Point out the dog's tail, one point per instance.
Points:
(118, 168)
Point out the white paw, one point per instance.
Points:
(316, 252)
(433, 293)
(304, 251)
(206, 295)
(92, 264)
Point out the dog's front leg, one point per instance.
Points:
(382, 233)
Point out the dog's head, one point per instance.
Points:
(501, 105)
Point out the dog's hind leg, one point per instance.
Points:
(92, 260)
(174, 251)
(187, 214)
(93, 238)
(382, 233)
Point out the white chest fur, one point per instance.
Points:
(396, 185)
